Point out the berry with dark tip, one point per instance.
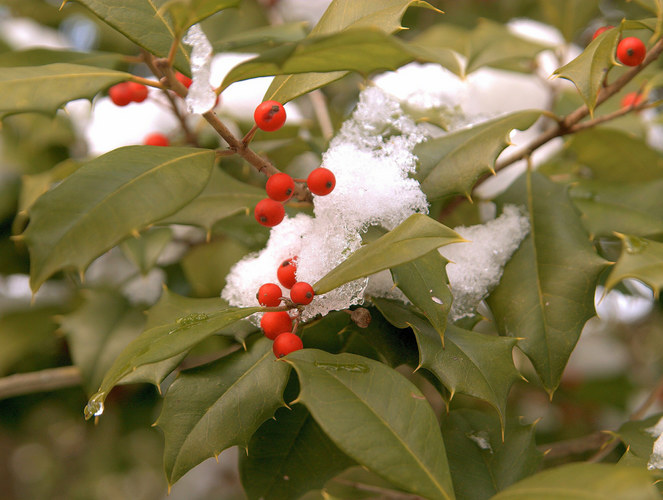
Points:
(280, 187)
(269, 295)
(301, 293)
(269, 213)
(631, 51)
(286, 273)
(321, 181)
(269, 116)
(286, 343)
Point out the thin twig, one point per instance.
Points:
(43, 380)
(576, 446)
(322, 114)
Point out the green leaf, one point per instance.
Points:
(452, 164)
(392, 429)
(339, 16)
(163, 342)
(289, 456)
(569, 16)
(39, 57)
(628, 159)
(218, 405)
(258, 39)
(45, 88)
(143, 22)
(98, 331)
(546, 293)
(635, 207)
(424, 281)
(186, 13)
(145, 250)
(222, 197)
(413, 238)
(364, 50)
(581, 481)
(470, 363)
(107, 199)
(641, 259)
(588, 70)
(637, 438)
(483, 459)
(357, 483)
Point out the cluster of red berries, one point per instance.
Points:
(631, 51)
(277, 326)
(127, 92)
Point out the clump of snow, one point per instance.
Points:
(656, 457)
(370, 158)
(201, 97)
(475, 267)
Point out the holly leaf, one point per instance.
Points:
(546, 293)
(144, 22)
(634, 207)
(638, 438)
(46, 88)
(424, 281)
(641, 259)
(106, 200)
(163, 342)
(259, 39)
(40, 57)
(144, 251)
(222, 197)
(186, 13)
(580, 481)
(218, 405)
(452, 164)
(469, 363)
(339, 16)
(569, 16)
(484, 458)
(288, 456)
(588, 70)
(392, 430)
(363, 50)
(413, 238)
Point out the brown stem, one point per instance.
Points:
(249, 135)
(575, 446)
(145, 81)
(44, 380)
(190, 136)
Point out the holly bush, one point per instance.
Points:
(493, 176)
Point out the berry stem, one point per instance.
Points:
(249, 135)
(146, 82)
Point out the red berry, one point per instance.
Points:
(602, 29)
(321, 181)
(631, 51)
(138, 91)
(269, 212)
(120, 94)
(269, 295)
(286, 343)
(631, 99)
(156, 139)
(183, 79)
(301, 293)
(280, 187)
(286, 273)
(274, 323)
(269, 116)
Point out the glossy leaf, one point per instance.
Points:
(106, 200)
(377, 417)
(588, 70)
(260, 38)
(215, 406)
(638, 438)
(635, 208)
(97, 332)
(145, 250)
(580, 481)
(357, 483)
(163, 342)
(569, 16)
(364, 50)
(143, 22)
(483, 459)
(222, 197)
(339, 16)
(470, 363)
(289, 456)
(186, 13)
(46, 88)
(424, 281)
(546, 293)
(641, 259)
(413, 238)
(452, 164)
(39, 57)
